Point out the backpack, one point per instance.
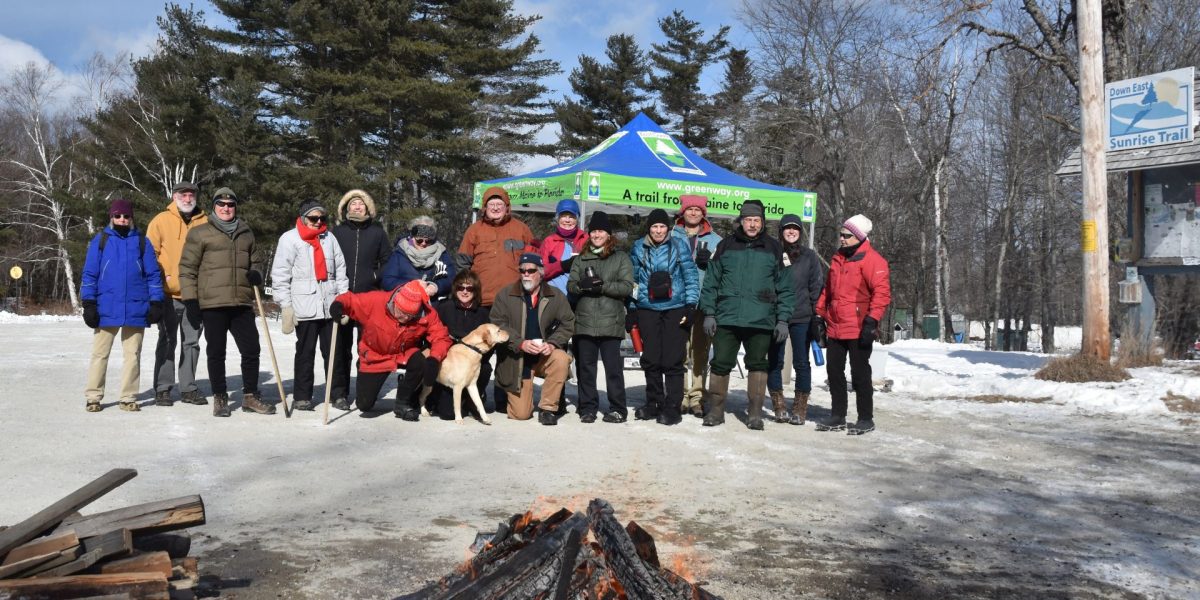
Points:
(141, 247)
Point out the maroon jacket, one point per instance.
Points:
(858, 286)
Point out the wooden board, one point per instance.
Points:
(27, 564)
(46, 518)
(41, 546)
(152, 517)
(151, 562)
(139, 586)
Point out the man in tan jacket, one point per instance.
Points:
(167, 232)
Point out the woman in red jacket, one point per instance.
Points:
(396, 325)
(857, 291)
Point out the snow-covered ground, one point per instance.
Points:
(981, 481)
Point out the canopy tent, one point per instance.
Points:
(640, 168)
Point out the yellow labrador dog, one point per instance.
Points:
(460, 369)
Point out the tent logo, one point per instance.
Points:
(601, 147)
(668, 152)
(594, 187)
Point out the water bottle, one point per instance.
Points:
(818, 355)
(590, 272)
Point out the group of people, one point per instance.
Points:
(570, 298)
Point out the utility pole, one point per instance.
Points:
(1097, 340)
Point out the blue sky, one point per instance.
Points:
(68, 32)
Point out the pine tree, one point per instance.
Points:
(731, 111)
(610, 95)
(679, 62)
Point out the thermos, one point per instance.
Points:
(635, 335)
(818, 355)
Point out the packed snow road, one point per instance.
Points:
(979, 482)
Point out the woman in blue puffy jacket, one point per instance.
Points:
(420, 256)
(122, 294)
(665, 296)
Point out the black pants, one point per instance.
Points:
(239, 321)
(348, 337)
(307, 335)
(664, 347)
(860, 376)
(408, 388)
(588, 351)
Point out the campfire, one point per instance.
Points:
(554, 559)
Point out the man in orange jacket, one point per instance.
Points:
(857, 291)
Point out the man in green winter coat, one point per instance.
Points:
(747, 301)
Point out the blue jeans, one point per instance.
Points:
(798, 332)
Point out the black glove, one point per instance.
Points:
(254, 278)
(155, 314)
(191, 309)
(781, 332)
(432, 367)
(336, 310)
(816, 331)
(689, 316)
(703, 255)
(463, 262)
(566, 264)
(630, 320)
(91, 314)
(867, 336)
(710, 326)
(591, 285)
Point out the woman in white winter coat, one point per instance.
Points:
(308, 272)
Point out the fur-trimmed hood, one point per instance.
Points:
(350, 195)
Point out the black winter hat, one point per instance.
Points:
(310, 205)
(790, 220)
(599, 222)
(752, 208)
(656, 217)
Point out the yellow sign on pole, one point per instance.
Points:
(15, 272)
(1089, 236)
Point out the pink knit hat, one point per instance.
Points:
(701, 202)
(859, 225)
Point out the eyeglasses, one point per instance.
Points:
(315, 219)
(466, 288)
(528, 271)
(122, 216)
(225, 204)
(846, 236)
(422, 241)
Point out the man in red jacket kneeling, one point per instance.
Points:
(401, 330)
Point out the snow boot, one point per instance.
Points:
(718, 388)
(302, 405)
(220, 404)
(341, 404)
(756, 392)
(93, 406)
(799, 409)
(193, 397)
(253, 403)
(130, 406)
(779, 406)
(860, 427)
(833, 423)
(163, 398)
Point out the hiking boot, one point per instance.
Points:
(163, 398)
(547, 418)
(646, 413)
(588, 418)
(130, 406)
(253, 403)
(669, 420)
(341, 404)
(220, 404)
(193, 397)
(409, 414)
(799, 409)
(614, 417)
(302, 405)
(779, 406)
(861, 426)
(718, 387)
(832, 424)
(756, 392)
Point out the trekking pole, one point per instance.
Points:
(329, 370)
(271, 348)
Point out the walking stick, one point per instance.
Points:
(329, 370)
(271, 347)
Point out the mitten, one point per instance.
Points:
(289, 320)
(155, 314)
(91, 314)
(254, 278)
(867, 336)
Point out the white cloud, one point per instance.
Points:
(15, 54)
(137, 44)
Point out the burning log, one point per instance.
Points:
(551, 560)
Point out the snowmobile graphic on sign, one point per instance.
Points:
(668, 152)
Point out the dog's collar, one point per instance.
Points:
(477, 350)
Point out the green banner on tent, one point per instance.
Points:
(638, 192)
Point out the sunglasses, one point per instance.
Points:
(316, 219)
(846, 236)
(528, 271)
(225, 204)
(122, 216)
(466, 288)
(422, 241)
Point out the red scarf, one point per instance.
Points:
(311, 236)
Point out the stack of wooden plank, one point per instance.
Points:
(136, 552)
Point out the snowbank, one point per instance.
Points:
(7, 317)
